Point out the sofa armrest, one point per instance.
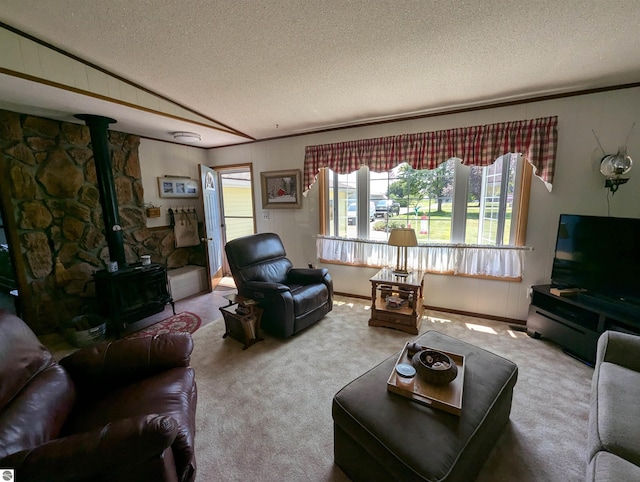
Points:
(306, 276)
(108, 365)
(619, 348)
(87, 455)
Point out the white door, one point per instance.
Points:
(212, 224)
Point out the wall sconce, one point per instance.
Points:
(402, 238)
(613, 167)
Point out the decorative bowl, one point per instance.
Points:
(434, 366)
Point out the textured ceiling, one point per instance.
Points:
(274, 68)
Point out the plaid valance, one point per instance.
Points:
(535, 139)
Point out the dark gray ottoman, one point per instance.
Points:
(379, 435)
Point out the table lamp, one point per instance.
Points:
(402, 238)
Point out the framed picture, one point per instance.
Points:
(281, 189)
(177, 187)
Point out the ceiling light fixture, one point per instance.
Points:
(187, 136)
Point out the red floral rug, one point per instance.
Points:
(182, 322)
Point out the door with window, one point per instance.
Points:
(212, 224)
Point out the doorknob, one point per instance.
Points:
(206, 239)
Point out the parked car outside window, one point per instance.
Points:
(352, 212)
(386, 207)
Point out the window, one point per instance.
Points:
(490, 223)
(343, 205)
(7, 274)
(469, 221)
(451, 204)
(3, 236)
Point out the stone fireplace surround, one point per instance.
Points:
(50, 175)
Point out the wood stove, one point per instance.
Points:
(131, 294)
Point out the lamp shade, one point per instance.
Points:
(403, 237)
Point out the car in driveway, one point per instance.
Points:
(352, 210)
(386, 207)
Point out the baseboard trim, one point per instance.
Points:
(350, 295)
(513, 321)
(503, 319)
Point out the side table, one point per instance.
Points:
(242, 327)
(406, 317)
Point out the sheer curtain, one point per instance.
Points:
(535, 139)
(501, 262)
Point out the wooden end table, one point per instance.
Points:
(407, 317)
(242, 327)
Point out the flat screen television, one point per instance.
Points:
(599, 254)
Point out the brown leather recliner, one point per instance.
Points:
(115, 411)
(292, 298)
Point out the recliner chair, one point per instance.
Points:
(115, 411)
(292, 298)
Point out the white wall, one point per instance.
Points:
(578, 187)
(159, 159)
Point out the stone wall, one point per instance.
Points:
(56, 207)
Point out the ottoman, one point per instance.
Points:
(379, 435)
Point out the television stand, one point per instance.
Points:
(575, 322)
(581, 360)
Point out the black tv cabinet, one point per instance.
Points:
(575, 322)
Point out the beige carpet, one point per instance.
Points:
(264, 414)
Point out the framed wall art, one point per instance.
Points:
(281, 189)
(177, 187)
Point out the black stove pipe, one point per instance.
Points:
(98, 126)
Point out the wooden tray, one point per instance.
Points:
(447, 397)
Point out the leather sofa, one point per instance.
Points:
(614, 430)
(114, 411)
(292, 299)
